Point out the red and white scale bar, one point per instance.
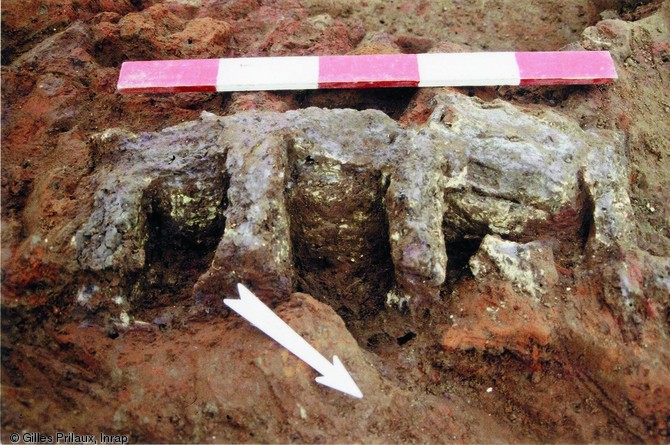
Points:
(366, 71)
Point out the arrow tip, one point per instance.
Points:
(339, 379)
(245, 293)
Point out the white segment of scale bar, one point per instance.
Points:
(468, 69)
(268, 73)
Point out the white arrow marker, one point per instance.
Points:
(333, 375)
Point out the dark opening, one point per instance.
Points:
(406, 338)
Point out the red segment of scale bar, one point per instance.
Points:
(367, 71)
(565, 67)
(169, 76)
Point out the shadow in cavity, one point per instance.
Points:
(404, 339)
(184, 221)
(459, 253)
(392, 101)
(339, 232)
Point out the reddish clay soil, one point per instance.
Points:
(483, 363)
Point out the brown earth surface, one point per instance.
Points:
(491, 264)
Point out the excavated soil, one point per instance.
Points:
(492, 265)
